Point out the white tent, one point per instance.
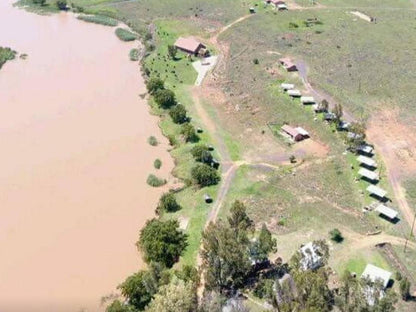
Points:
(368, 174)
(307, 100)
(367, 161)
(376, 191)
(294, 93)
(287, 86)
(388, 212)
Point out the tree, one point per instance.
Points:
(167, 203)
(172, 50)
(162, 241)
(61, 4)
(350, 296)
(265, 244)
(188, 273)
(40, 2)
(238, 219)
(336, 235)
(405, 288)
(189, 133)
(225, 258)
(212, 301)
(202, 154)
(118, 306)
(178, 296)
(165, 98)
(359, 135)
(324, 105)
(137, 291)
(338, 111)
(178, 114)
(205, 175)
(154, 84)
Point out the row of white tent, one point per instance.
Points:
(362, 159)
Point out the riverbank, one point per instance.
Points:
(74, 193)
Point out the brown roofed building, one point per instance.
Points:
(189, 45)
(288, 64)
(292, 132)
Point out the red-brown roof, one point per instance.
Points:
(287, 62)
(291, 131)
(188, 44)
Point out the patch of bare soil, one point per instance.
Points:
(310, 147)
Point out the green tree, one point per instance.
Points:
(172, 50)
(178, 296)
(137, 291)
(238, 219)
(205, 175)
(167, 203)
(178, 114)
(154, 84)
(61, 4)
(162, 241)
(324, 105)
(189, 133)
(405, 288)
(188, 273)
(212, 301)
(359, 129)
(338, 111)
(225, 258)
(118, 306)
(40, 2)
(350, 296)
(202, 154)
(336, 235)
(265, 244)
(165, 98)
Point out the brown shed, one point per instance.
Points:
(288, 64)
(189, 45)
(292, 132)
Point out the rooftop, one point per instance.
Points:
(388, 212)
(376, 191)
(368, 174)
(375, 273)
(367, 161)
(188, 44)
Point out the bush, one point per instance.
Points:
(178, 114)
(205, 175)
(40, 2)
(165, 98)
(61, 4)
(167, 203)
(202, 154)
(154, 84)
(405, 289)
(154, 181)
(162, 242)
(256, 61)
(98, 19)
(134, 55)
(6, 54)
(125, 35)
(336, 235)
(189, 133)
(152, 141)
(157, 163)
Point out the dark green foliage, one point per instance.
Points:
(188, 273)
(167, 203)
(178, 114)
(264, 288)
(39, 2)
(405, 288)
(202, 154)
(256, 61)
(118, 306)
(165, 98)
(172, 50)
(162, 241)
(154, 181)
(238, 220)
(264, 245)
(336, 235)
(224, 257)
(154, 84)
(61, 4)
(189, 133)
(6, 54)
(134, 55)
(205, 175)
(157, 163)
(152, 141)
(98, 19)
(125, 35)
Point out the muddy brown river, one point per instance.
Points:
(73, 164)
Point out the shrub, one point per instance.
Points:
(98, 19)
(157, 163)
(189, 133)
(40, 2)
(134, 55)
(154, 84)
(205, 175)
(162, 242)
(165, 98)
(154, 181)
(202, 154)
(167, 203)
(152, 141)
(293, 25)
(256, 61)
(178, 114)
(336, 235)
(6, 54)
(125, 35)
(292, 159)
(61, 4)
(405, 289)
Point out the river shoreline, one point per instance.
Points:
(74, 190)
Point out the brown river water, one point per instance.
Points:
(73, 164)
